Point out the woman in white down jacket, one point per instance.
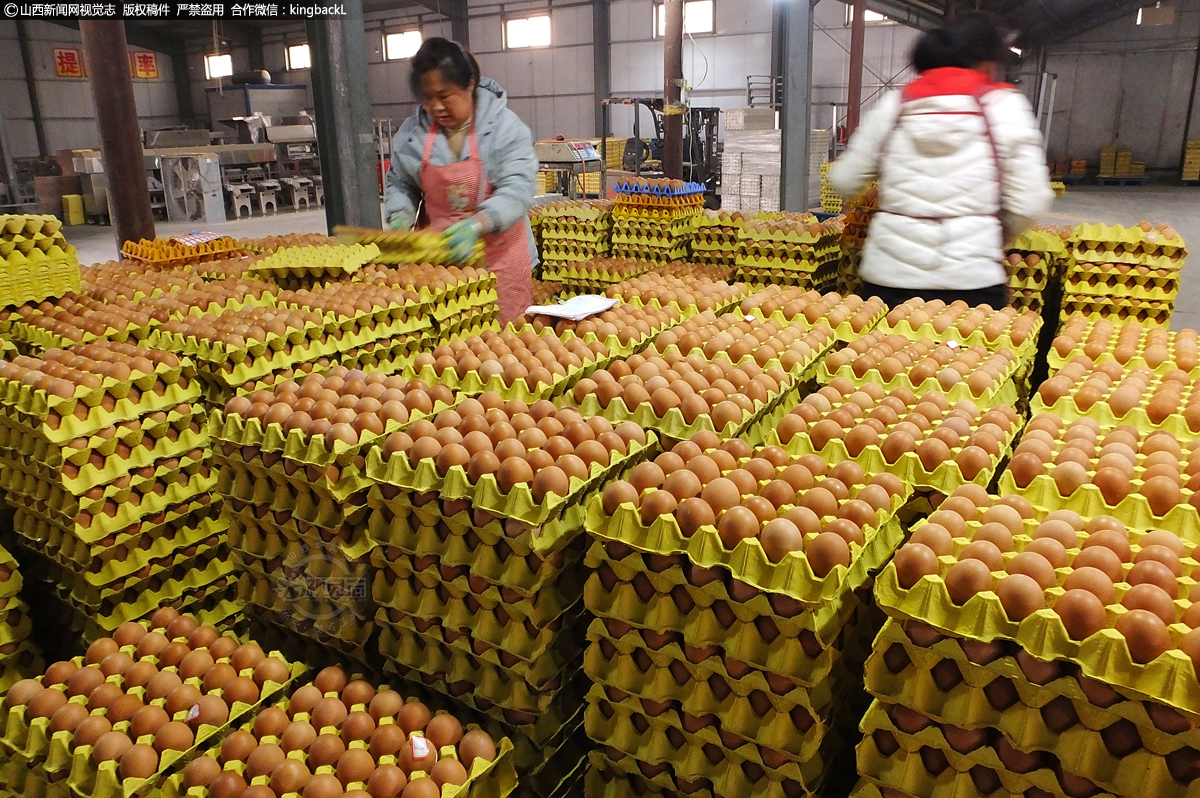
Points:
(961, 172)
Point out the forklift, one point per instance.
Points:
(700, 164)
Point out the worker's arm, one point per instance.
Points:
(1027, 194)
(859, 164)
(402, 182)
(512, 168)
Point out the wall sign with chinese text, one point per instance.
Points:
(145, 65)
(68, 62)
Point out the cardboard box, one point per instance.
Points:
(50, 190)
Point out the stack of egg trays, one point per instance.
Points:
(1039, 258)
(717, 670)
(969, 701)
(576, 233)
(485, 605)
(494, 779)
(35, 760)
(91, 473)
(1123, 273)
(36, 262)
(716, 238)
(297, 517)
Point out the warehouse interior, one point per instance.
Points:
(600, 399)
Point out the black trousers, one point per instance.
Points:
(994, 295)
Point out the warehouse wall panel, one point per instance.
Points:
(1126, 85)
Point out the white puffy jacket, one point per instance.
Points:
(961, 169)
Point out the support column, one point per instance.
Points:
(673, 91)
(858, 37)
(183, 87)
(254, 48)
(797, 101)
(344, 131)
(106, 53)
(601, 62)
(39, 129)
(778, 65)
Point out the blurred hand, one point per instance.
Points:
(399, 221)
(461, 238)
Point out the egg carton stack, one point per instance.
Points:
(1124, 273)
(573, 231)
(311, 267)
(74, 319)
(856, 217)
(1130, 344)
(729, 638)
(655, 220)
(730, 375)
(458, 301)
(790, 248)
(407, 247)
(291, 470)
(478, 513)
(1035, 260)
(215, 296)
(341, 734)
(547, 292)
(182, 251)
(594, 276)
(850, 317)
(1035, 651)
(716, 239)
(545, 366)
(134, 708)
(959, 372)
(688, 293)
(106, 461)
(685, 269)
(131, 280)
(36, 262)
(926, 441)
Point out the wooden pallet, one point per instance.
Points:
(1122, 181)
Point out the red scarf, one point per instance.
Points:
(945, 81)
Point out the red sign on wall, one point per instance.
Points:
(68, 62)
(145, 66)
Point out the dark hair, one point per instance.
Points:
(457, 66)
(971, 39)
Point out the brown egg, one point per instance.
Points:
(263, 760)
(413, 716)
(967, 578)
(201, 772)
(422, 788)
(1145, 634)
(476, 744)
(387, 740)
(659, 503)
(1152, 598)
(1020, 595)
(449, 771)
(110, 747)
(913, 562)
(291, 775)
(227, 784)
(355, 765)
(173, 736)
(826, 551)
(323, 786)
(238, 746)
(1081, 611)
(139, 762)
(444, 729)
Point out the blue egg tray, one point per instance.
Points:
(625, 187)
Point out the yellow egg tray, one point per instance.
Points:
(610, 721)
(38, 403)
(1080, 748)
(404, 246)
(493, 683)
(1169, 678)
(1135, 288)
(965, 705)
(14, 630)
(619, 566)
(1066, 409)
(322, 589)
(1023, 350)
(35, 282)
(266, 540)
(38, 338)
(294, 445)
(453, 604)
(748, 561)
(333, 260)
(31, 738)
(29, 224)
(113, 466)
(474, 384)
(310, 610)
(530, 654)
(631, 778)
(946, 477)
(1117, 244)
(657, 255)
(185, 525)
(695, 614)
(688, 760)
(665, 674)
(1002, 391)
(1134, 510)
(844, 332)
(265, 492)
(1024, 300)
(457, 562)
(1182, 352)
(1148, 312)
(1155, 781)
(210, 563)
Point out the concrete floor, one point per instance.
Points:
(97, 244)
(1177, 206)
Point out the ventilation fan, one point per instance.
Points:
(192, 188)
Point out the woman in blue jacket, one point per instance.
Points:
(464, 164)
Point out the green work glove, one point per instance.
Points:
(399, 221)
(461, 237)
